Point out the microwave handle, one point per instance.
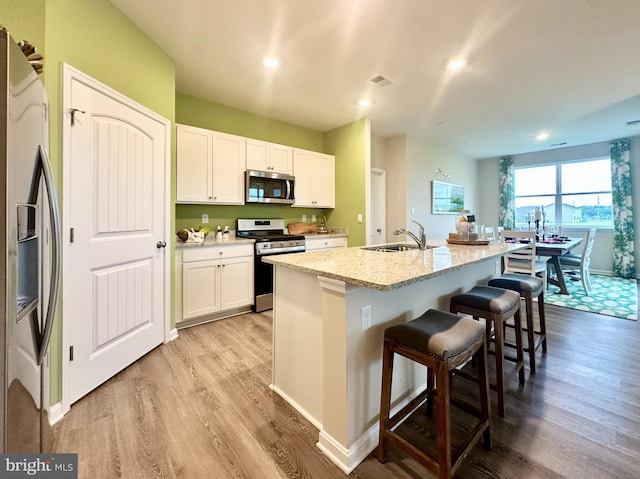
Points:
(288, 189)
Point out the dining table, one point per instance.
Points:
(555, 248)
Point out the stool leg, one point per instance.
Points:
(530, 333)
(543, 325)
(519, 348)
(431, 387)
(499, 350)
(483, 383)
(385, 401)
(444, 422)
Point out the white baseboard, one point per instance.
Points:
(313, 420)
(55, 413)
(173, 334)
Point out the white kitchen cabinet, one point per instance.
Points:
(265, 156)
(216, 279)
(210, 166)
(318, 243)
(315, 175)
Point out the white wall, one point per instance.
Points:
(601, 259)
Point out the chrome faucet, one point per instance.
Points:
(421, 241)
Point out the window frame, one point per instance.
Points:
(558, 194)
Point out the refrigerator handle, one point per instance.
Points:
(54, 218)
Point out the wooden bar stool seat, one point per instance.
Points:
(528, 287)
(441, 341)
(496, 306)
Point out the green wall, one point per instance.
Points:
(213, 116)
(25, 21)
(349, 145)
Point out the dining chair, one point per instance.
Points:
(577, 266)
(524, 260)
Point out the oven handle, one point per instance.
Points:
(291, 249)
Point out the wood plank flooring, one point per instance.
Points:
(201, 407)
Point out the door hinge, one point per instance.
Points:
(71, 235)
(70, 353)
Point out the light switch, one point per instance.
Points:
(359, 218)
(205, 218)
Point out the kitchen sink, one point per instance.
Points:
(394, 247)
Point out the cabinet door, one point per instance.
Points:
(280, 159)
(193, 168)
(324, 180)
(303, 171)
(236, 282)
(257, 155)
(315, 244)
(200, 288)
(229, 160)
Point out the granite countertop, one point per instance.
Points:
(386, 271)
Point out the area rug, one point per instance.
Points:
(610, 296)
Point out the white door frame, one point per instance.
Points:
(381, 200)
(70, 74)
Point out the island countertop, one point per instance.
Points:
(387, 271)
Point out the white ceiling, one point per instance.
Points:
(569, 67)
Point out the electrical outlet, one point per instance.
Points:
(498, 267)
(304, 218)
(359, 218)
(205, 218)
(366, 317)
(313, 218)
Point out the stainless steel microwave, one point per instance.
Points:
(267, 187)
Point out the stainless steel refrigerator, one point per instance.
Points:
(30, 265)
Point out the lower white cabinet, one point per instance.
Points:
(216, 279)
(318, 243)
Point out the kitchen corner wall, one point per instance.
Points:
(411, 161)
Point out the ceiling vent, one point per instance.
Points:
(633, 122)
(381, 80)
(558, 144)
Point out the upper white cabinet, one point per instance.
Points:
(210, 166)
(315, 179)
(265, 156)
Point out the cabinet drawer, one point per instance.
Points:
(202, 253)
(325, 243)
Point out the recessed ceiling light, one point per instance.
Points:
(542, 136)
(271, 62)
(365, 102)
(456, 63)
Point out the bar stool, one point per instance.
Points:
(441, 341)
(495, 305)
(528, 287)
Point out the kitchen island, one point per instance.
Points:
(330, 312)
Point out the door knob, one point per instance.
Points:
(161, 244)
(379, 230)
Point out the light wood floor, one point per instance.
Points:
(200, 407)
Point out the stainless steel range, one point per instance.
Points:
(271, 239)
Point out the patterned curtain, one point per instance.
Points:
(623, 240)
(506, 179)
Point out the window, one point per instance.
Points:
(566, 194)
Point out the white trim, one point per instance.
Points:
(55, 413)
(70, 74)
(173, 334)
(309, 417)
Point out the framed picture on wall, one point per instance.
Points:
(446, 198)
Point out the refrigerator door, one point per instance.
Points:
(26, 232)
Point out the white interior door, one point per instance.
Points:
(115, 293)
(378, 216)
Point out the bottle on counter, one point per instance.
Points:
(225, 234)
(219, 234)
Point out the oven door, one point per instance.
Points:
(263, 281)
